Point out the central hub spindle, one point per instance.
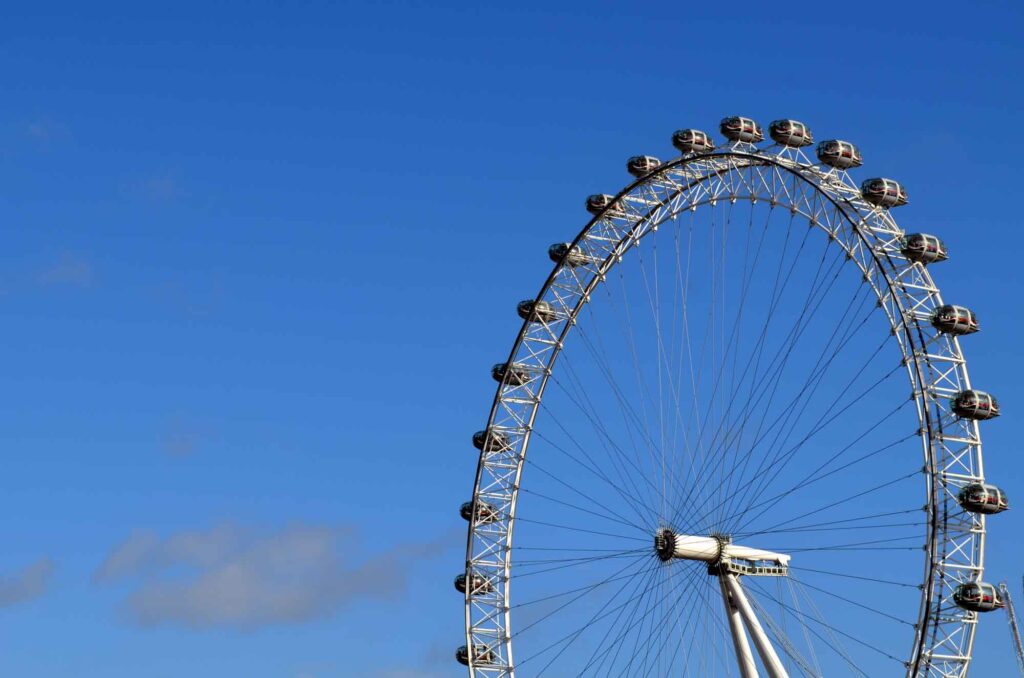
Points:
(712, 549)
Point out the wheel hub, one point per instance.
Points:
(717, 549)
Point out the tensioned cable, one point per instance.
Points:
(643, 512)
(742, 526)
(777, 299)
(810, 479)
(599, 355)
(775, 379)
(785, 457)
(799, 326)
(705, 458)
(837, 525)
(574, 563)
(836, 644)
(732, 491)
(533, 464)
(639, 504)
(772, 501)
(631, 625)
(587, 588)
(849, 546)
(874, 580)
(803, 626)
(572, 635)
(601, 613)
(614, 624)
(664, 356)
(608, 555)
(875, 610)
(581, 593)
(855, 639)
(703, 425)
(580, 529)
(858, 495)
(782, 639)
(663, 443)
(819, 426)
(594, 418)
(635, 464)
(812, 382)
(579, 508)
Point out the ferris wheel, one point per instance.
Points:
(735, 435)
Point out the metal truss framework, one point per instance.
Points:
(830, 202)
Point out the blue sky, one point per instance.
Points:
(257, 261)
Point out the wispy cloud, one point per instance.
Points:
(230, 576)
(26, 584)
(70, 269)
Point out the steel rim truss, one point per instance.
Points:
(906, 294)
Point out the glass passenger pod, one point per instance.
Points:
(979, 498)
(692, 141)
(481, 584)
(490, 440)
(977, 596)
(536, 311)
(485, 513)
(738, 128)
(641, 165)
(514, 375)
(883, 192)
(564, 252)
(977, 405)
(923, 248)
(839, 154)
(599, 202)
(482, 655)
(956, 320)
(790, 133)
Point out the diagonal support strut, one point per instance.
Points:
(771, 661)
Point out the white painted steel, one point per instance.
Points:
(772, 663)
(710, 550)
(744, 657)
(1011, 614)
(830, 201)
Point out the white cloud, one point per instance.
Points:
(229, 576)
(29, 583)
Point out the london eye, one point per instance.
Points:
(735, 434)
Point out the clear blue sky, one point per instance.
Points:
(257, 260)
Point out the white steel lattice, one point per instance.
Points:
(829, 201)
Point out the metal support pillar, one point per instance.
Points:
(771, 661)
(739, 637)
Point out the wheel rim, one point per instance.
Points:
(781, 179)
